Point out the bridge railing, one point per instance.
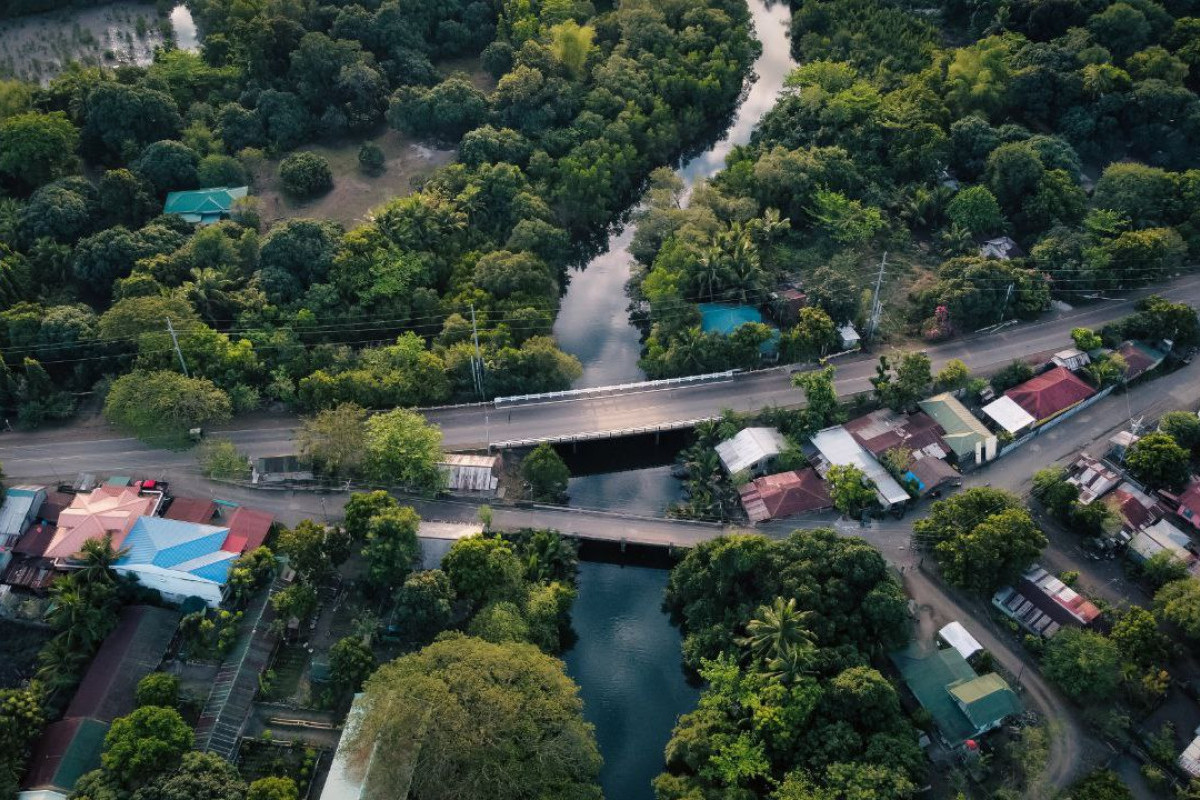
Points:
(593, 435)
(594, 391)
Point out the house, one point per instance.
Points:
(849, 337)
(955, 635)
(1135, 508)
(179, 559)
(930, 473)
(1072, 359)
(1042, 604)
(1189, 759)
(1140, 358)
(1050, 394)
(785, 494)
(886, 429)
(1008, 416)
(1159, 537)
(963, 704)
(191, 509)
(966, 436)
(205, 206)
(106, 510)
(20, 509)
(835, 446)
(248, 529)
(71, 746)
(1002, 247)
(470, 473)
(1094, 478)
(1189, 503)
(751, 450)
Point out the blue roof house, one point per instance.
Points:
(179, 559)
(205, 206)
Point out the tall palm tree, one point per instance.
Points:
(208, 291)
(776, 629)
(97, 557)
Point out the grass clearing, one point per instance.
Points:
(354, 193)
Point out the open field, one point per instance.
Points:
(354, 193)
(35, 48)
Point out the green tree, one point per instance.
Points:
(1099, 785)
(362, 507)
(391, 547)
(1178, 603)
(1157, 461)
(350, 663)
(821, 407)
(402, 449)
(975, 209)
(164, 405)
(570, 43)
(484, 568)
(158, 689)
(546, 473)
(847, 221)
(955, 375)
(333, 439)
(548, 614)
(1085, 339)
(220, 171)
(298, 601)
(273, 788)
(1162, 568)
(778, 629)
(1084, 664)
(424, 605)
(995, 551)
(249, 573)
(168, 166)
(850, 489)
(37, 148)
(220, 458)
(1183, 427)
(21, 721)
(305, 175)
(1137, 636)
(199, 776)
(371, 158)
(144, 744)
(499, 720)
(312, 549)
(500, 622)
(811, 337)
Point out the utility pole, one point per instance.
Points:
(178, 352)
(1004, 307)
(876, 303)
(477, 362)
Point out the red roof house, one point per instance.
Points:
(785, 494)
(1050, 393)
(248, 529)
(191, 509)
(885, 430)
(1189, 503)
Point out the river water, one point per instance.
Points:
(627, 664)
(593, 323)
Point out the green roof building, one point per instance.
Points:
(67, 749)
(965, 434)
(963, 705)
(205, 206)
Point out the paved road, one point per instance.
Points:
(95, 447)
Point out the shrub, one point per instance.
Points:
(305, 175)
(371, 159)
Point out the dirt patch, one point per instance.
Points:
(481, 79)
(36, 47)
(354, 193)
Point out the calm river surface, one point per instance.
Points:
(627, 664)
(593, 323)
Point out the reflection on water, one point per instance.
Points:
(646, 492)
(627, 664)
(593, 323)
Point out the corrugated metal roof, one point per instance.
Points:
(66, 750)
(749, 447)
(21, 504)
(1050, 393)
(248, 529)
(962, 428)
(960, 639)
(1009, 415)
(837, 446)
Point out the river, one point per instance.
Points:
(628, 666)
(593, 323)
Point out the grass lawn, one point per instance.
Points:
(354, 193)
(19, 646)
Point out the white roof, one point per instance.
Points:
(470, 472)
(1160, 536)
(21, 503)
(1189, 759)
(957, 637)
(750, 447)
(347, 781)
(1008, 415)
(838, 447)
(848, 333)
(1072, 358)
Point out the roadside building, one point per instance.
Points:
(1140, 358)
(1119, 444)
(248, 529)
(20, 509)
(1136, 508)
(470, 473)
(930, 474)
(835, 446)
(205, 206)
(1050, 394)
(957, 636)
(106, 510)
(886, 429)
(1160, 537)
(179, 559)
(787, 303)
(751, 450)
(1009, 417)
(1072, 358)
(849, 337)
(963, 704)
(967, 437)
(280, 469)
(1189, 503)
(71, 746)
(1094, 478)
(191, 509)
(1042, 604)
(784, 495)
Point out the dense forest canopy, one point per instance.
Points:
(1071, 127)
(590, 98)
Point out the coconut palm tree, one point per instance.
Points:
(209, 291)
(776, 629)
(97, 557)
